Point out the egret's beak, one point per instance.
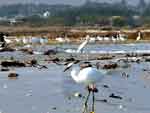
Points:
(66, 69)
(68, 66)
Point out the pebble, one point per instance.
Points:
(103, 100)
(78, 94)
(13, 75)
(4, 69)
(105, 86)
(115, 96)
(120, 106)
(54, 108)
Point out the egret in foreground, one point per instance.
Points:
(86, 75)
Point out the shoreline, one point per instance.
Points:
(71, 32)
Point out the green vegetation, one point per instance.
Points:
(90, 14)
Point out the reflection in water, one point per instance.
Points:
(69, 87)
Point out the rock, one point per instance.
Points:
(7, 49)
(147, 59)
(32, 62)
(125, 75)
(54, 60)
(105, 58)
(13, 75)
(50, 52)
(27, 50)
(4, 69)
(115, 96)
(85, 65)
(70, 59)
(12, 63)
(78, 94)
(110, 66)
(43, 67)
(54, 108)
(103, 100)
(105, 86)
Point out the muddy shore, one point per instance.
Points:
(70, 32)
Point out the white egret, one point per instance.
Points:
(92, 40)
(99, 38)
(86, 75)
(106, 38)
(25, 40)
(80, 48)
(8, 41)
(60, 39)
(113, 38)
(121, 36)
(139, 36)
(3, 39)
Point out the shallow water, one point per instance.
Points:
(40, 91)
(100, 48)
(51, 90)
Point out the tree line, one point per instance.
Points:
(118, 14)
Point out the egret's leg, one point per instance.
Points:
(93, 99)
(86, 101)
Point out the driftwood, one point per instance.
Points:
(13, 75)
(7, 49)
(34, 63)
(50, 52)
(115, 96)
(4, 69)
(110, 66)
(12, 63)
(27, 50)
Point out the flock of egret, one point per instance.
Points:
(34, 40)
(24, 40)
(115, 38)
(119, 37)
(42, 40)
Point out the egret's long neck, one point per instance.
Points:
(80, 48)
(139, 34)
(74, 73)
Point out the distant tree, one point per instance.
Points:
(119, 21)
(141, 5)
(124, 3)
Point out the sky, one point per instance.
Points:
(72, 2)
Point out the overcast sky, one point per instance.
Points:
(72, 2)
